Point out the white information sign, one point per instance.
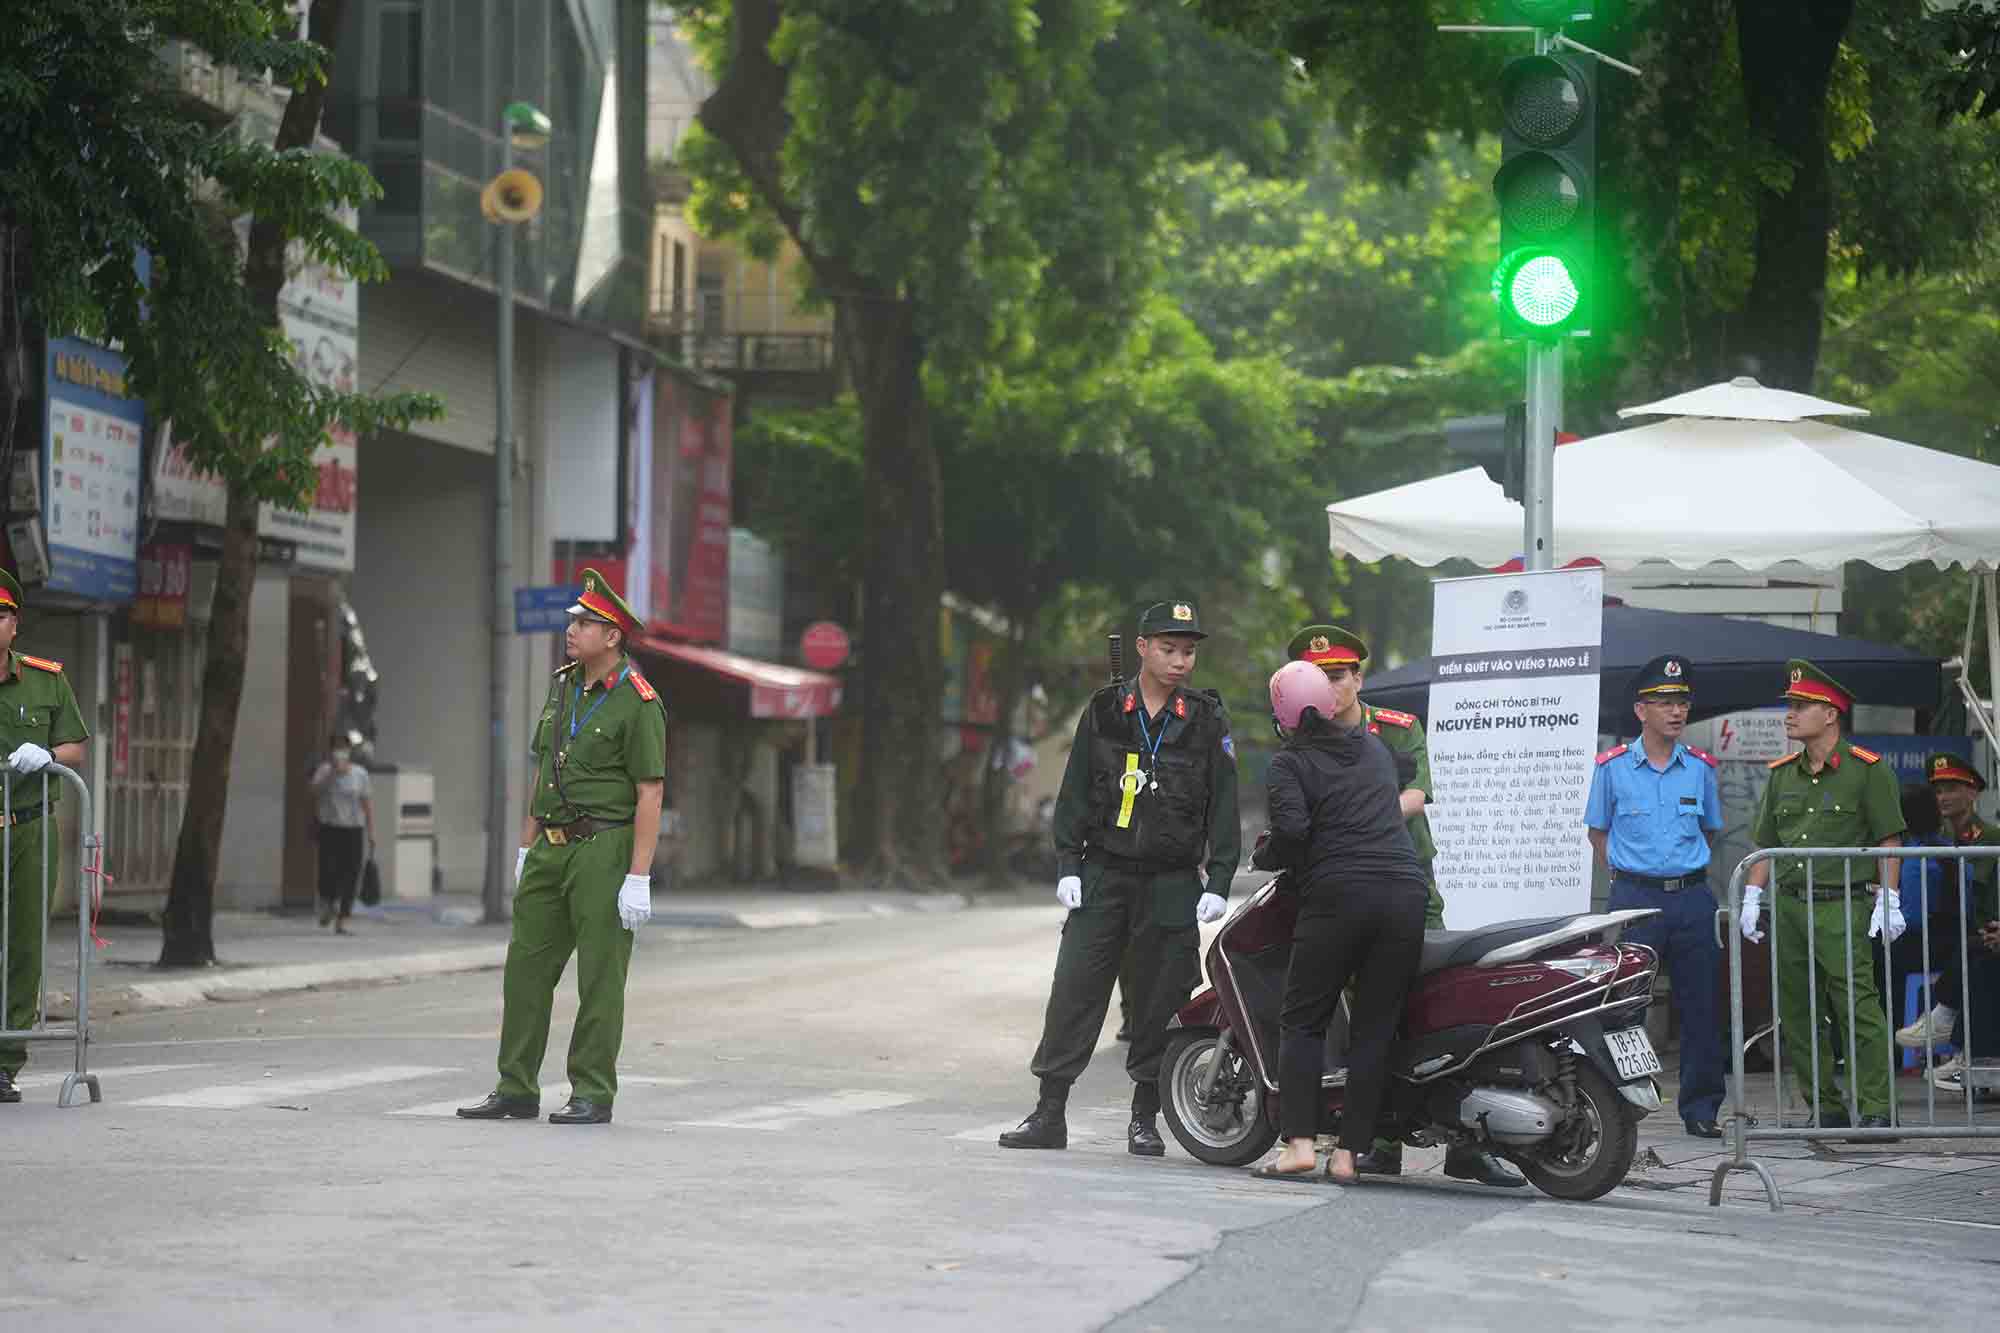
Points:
(1513, 731)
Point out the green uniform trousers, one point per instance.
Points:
(1149, 915)
(567, 902)
(24, 925)
(1827, 976)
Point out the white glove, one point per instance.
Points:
(29, 758)
(520, 860)
(1887, 920)
(1210, 908)
(1069, 891)
(635, 901)
(1753, 898)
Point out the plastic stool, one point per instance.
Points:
(1913, 995)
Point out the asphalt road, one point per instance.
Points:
(804, 1140)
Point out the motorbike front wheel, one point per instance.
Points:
(1232, 1130)
(1590, 1152)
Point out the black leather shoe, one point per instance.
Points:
(1481, 1167)
(1044, 1128)
(8, 1092)
(1834, 1119)
(1703, 1129)
(1380, 1162)
(1874, 1122)
(1142, 1140)
(577, 1111)
(497, 1107)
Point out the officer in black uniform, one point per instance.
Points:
(1148, 802)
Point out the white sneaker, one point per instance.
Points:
(1950, 1075)
(1933, 1029)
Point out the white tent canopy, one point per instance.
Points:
(1693, 491)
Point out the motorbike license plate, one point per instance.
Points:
(1632, 1052)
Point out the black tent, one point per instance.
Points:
(1738, 664)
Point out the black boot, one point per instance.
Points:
(1044, 1128)
(1464, 1162)
(1142, 1139)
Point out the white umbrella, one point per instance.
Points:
(1743, 399)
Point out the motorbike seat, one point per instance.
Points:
(1454, 948)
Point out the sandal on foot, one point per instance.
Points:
(1270, 1171)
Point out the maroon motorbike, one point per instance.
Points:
(1525, 1038)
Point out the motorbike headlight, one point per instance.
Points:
(1584, 969)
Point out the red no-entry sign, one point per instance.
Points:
(824, 645)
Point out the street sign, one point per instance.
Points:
(543, 610)
(824, 645)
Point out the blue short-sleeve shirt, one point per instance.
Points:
(1657, 819)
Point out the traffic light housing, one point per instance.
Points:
(1496, 443)
(1547, 192)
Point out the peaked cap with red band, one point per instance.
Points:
(10, 591)
(599, 602)
(1327, 645)
(1808, 682)
(1947, 767)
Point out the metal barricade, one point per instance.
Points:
(76, 1032)
(1742, 1126)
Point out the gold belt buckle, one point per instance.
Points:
(556, 837)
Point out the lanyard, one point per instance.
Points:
(1145, 734)
(575, 722)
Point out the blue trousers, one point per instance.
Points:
(1683, 935)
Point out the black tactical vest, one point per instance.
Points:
(1167, 828)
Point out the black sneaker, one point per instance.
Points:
(8, 1092)
(1142, 1139)
(1044, 1128)
(1381, 1160)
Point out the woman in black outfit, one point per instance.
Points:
(1337, 827)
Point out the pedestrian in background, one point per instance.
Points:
(1147, 807)
(583, 882)
(1337, 827)
(346, 809)
(1832, 793)
(39, 725)
(1653, 815)
(1958, 910)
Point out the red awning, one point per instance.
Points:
(776, 690)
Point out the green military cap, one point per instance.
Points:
(1810, 683)
(1670, 676)
(1171, 618)
(600, 602)
(1945, 766)
(1327, 645)
(10, 592)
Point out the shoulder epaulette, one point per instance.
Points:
(1705, 757)
(1780, 763)
(1612, 753)
(1865, 756)
(1394, 718)
(42, 664)
(645, 687)
(565, 669)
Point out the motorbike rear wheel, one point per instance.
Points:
(1231, 1132)
(1590, 1153)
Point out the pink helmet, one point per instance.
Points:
(1297, 686)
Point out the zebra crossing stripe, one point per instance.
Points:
(29, 1082)
(264, 1092)
(785, 1115)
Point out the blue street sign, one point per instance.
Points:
(543, 610)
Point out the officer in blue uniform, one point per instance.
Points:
(1653, 816)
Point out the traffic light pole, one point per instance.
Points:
(1538, 462)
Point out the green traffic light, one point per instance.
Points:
(1537, 289)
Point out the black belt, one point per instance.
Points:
(580, 830)
(1693, 879)
(28, 816)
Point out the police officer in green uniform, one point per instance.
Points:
(1955, 908)
(1333, 649)
(1148, 800)
(1830, 794)
(583, 880)
(39, 724)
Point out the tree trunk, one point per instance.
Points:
(903, 566)
(1788, 54)
(187, 926)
